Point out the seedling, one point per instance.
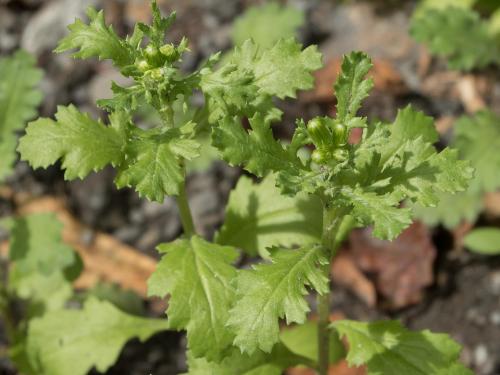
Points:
(457, 32)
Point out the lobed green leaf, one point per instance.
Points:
(74, 341)
(266, 24)
(351, 87)
(96, 39)
(42, 265)
(19, 98)
(442, 30)
(257, 150)
(83, 144)
(245, 84)
(387, 348)
(152, 165)
(272, 291)
(478, 139)
(149, 161)
(198, 277)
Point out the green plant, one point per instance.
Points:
(266, 24)
(46, 336)
(19, 98)
(455, 30)
(452, 29)
(476, 139)
(232, 316)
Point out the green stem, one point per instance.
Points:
(6, 315)
(185, 212)
(323, 304)
(335, 226)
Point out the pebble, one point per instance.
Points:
(480, 354)
(223, 9)
(495, 317)
(495, 283)
(8, 38)
(49, 25)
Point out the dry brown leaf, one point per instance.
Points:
(440, 84)
(385, 77)
(492, 203)
(469, 91)
(445, 124)
(459, 233)
(139, 10)
(345, 272)
(402, 268)
(105, 258)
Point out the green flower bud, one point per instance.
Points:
(167, 50)
(142, 65)
(340, 155)
(340, 134)
(319, 156)
(151, 51)
(157, 73)
(319, 132)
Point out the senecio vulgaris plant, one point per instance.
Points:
(232, 317)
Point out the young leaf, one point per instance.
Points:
(246, 83)
(442, 30)
(147, 160)
(483, 241)
(283, 69)
(386, 347)
(259, 217)
(152, 164)
(266, 24)
(198, 276)
(83, 144)
(74, 341)
(351, 86)
(19, 98)
(96, 39)
(257, 150)
(380, 210)
(478, 140)
(395, 162)
(273, 291)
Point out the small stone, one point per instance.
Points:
(128, 234)
(8, 38)
(48, 26)
(204, 203)
(149, 239)
(495, 283)
(480, 355)
(475, 316)
(495, 317)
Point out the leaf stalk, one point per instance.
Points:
(185, 212)
(336, 225)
